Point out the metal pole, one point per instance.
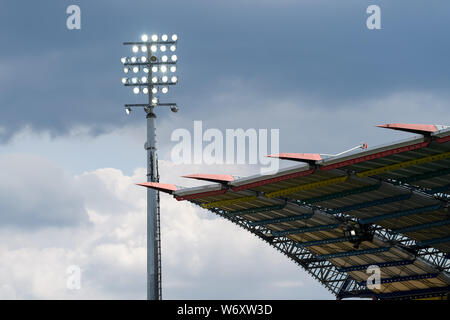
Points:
(152, 212)
(153, 261)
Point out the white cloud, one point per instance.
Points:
(35, 192)
(203, 256)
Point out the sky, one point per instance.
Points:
(70, 156)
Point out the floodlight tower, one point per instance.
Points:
(152, 73)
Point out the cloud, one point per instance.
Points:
(204, 257)
(60, 79)
(35, 192)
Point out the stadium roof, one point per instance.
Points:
(386, 206)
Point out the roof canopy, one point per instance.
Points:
(385, 206)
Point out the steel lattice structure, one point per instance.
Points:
(338, 217)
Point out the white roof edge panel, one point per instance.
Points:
(402, 143)
(193, 190)
(279, 173)
(441, 133)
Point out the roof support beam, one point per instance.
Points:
(422, 226)
(399, 214)
(433, 241)
(223, 203)
(341, 194)
(352, 253)
(369, 204)
(304, 230)
(419, 293)
(255, 210)
(281, 220)
(381, 265)
(326, 241)
(307, 186)
(404, 278)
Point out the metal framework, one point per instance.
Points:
(338, 216)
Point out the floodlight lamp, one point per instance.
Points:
(155, 79)
(136, 90)
(144, 59)
(144, 48)
(173, 69)
(154, 69)
(174, 79)
(123, 59)
(164, 37)
(163, 48)
(164, 90)
(128, 110)
(144, 38)
(154, 101)
(163, 69)
(126, 69)
(164, 58)
(135, 69)
(174, 37)
(153, 48)
(133, 59)
(174, 109)
(154, 90)
(145, 69)
(154, 37)
(164, 79)
(174, 58)
(124, 80)
(144, 79)
(153, 59)
(134, 80)
(145, 90)
(135, 49)
(173, 48)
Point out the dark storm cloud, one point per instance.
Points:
(53, 79)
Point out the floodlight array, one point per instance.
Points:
(152, 68)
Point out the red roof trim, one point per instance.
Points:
(375, 156)
(443, 139)
(164, 187)
(414, 128)
(200, 195)
(211, 177)
(273, 180)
